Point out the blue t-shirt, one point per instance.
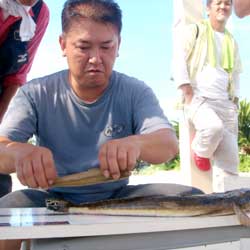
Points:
(74, 131)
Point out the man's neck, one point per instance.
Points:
(89, 95)
(86, 93)
(218, 26)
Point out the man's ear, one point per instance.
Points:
(119, 43)
(62, 44)
(207, 11)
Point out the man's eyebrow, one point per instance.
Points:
(108, 41)
(88, 42)
(82, 41)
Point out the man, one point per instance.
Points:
(22, 26)
(207, 72)
(242, 8)
(85, 117)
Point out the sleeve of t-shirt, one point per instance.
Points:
(148, 115)
(19, 123)
(184, 41)
(237, 71)
(20, 77)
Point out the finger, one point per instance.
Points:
(49, 168)
(39, 173)
(122, 159)
(112, 162)
(29, 175)
(19, 173)
(132, 158)
(103, 161)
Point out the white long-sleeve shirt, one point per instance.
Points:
(210, 82)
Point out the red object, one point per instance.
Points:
(201, 162)
(19, 78)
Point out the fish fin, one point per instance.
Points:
(243, 218)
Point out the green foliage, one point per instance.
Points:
(244, 136)
(244, 163)
(244, 123)
(175, 124)
(148, 170)
(173, 164)
(244, 144)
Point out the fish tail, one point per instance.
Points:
(242, 216)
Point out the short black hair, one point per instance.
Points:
(210, 1)
(104, 11)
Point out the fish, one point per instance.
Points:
(214, 204)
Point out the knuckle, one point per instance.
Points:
(131, 163)
(101, 154)
(121, 158)
(112, 155)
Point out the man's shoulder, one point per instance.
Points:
(44, 7)
(48, 81)
(42, 12)
(127, 81)
(129, 88)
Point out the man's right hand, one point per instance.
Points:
(34, 165)
(187, 91)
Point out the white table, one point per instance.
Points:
(55, 231)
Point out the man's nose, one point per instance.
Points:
(95, 56)
(223, 5)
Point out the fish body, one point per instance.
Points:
(176, 205)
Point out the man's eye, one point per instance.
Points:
(105, 47)
(82, 47)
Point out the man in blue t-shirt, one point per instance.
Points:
(84, 117)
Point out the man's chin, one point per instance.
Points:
(96, 82)
(222, 19)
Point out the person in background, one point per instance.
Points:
(207, 72)
(22, 26)
(241, 8)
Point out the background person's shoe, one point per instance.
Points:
(201, 162)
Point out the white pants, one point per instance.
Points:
(216, 131)
(219, 176)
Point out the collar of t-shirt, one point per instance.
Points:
(28, 26)
(6, 14)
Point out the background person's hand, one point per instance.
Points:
(187, 91)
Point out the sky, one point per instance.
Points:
(146, 47)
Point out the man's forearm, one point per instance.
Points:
(158, 147)
(7, 164)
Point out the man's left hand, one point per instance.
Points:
(119, 155)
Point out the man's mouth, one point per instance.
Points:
(94, 71)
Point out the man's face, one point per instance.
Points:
(220, 10)
(91, 49)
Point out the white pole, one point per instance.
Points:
(186, 12)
